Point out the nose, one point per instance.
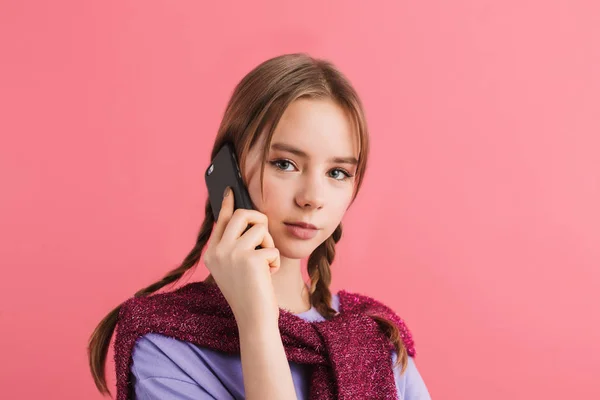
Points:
(310, 194)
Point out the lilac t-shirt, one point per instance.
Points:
(167, 368)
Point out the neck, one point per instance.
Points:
(290, 288)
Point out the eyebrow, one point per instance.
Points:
(300, 153)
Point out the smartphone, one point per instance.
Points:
(222, 172)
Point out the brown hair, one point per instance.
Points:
(257, 105)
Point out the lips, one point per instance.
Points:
(302, 225)
(301, 230)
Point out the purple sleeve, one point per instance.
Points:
(410, 385)
(158, 388)
(160, 371)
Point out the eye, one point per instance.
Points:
(281, 164)
(345, 174)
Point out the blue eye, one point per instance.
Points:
(346, 175)
(278, 163)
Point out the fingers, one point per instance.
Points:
(255, 236)
(271, 254)
(224, 215)
(238, 223)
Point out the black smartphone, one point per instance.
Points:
(222, 172)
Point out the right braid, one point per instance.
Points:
(99, 341)
(319, 271)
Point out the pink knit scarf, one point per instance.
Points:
(350, 355)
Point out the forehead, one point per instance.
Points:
(318, 127)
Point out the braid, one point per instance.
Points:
(319, 270)
(100, 339)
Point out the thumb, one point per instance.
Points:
(225, 213)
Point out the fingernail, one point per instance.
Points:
(227, 191)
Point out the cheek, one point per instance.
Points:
(274, 195)
(271, 194)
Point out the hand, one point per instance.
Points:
(242, 272)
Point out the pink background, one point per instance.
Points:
(478, 223)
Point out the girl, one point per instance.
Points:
(254, 329)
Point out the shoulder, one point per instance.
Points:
(169, 313)
(136, 309)
(161, 302)
(410, 384)
(355, 301)
(360, 303)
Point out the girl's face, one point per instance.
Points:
(309, 174)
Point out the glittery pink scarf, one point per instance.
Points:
(350, 355)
